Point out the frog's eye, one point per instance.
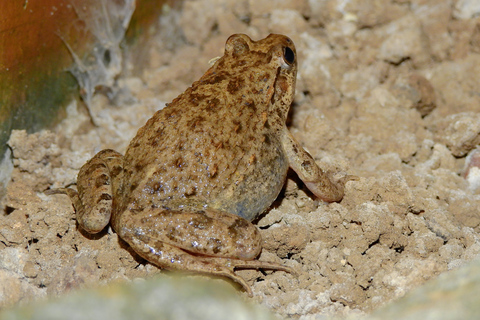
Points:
(288, 55)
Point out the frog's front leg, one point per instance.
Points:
(203, 241)
(317, 181)
(93, 201)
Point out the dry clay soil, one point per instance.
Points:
(387, 91)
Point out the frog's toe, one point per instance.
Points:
(347, 178)
(68, 191)
(257, 264)
(250, 264)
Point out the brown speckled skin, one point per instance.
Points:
(202, 167)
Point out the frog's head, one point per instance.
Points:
(271, 66)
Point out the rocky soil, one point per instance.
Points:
(386, 90)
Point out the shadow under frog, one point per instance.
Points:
(206, 165)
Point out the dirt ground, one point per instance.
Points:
(386, 90)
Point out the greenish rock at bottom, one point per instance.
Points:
(178, 298)
(453, 295)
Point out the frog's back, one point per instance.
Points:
(213, 145)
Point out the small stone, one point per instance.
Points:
(466, 9)
(460, 132)
(415, 91)
(282, 21)
(471, 172)
(30, 269)
(191, 20)
(409, 42)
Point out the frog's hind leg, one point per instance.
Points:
(93, 202)
(204, 241)
(172, 258)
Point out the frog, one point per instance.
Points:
(205, 166)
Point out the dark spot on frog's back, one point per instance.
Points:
(179, 162)
(155, 139)
(116, 171)
(251, 104)
(169, 111)
(234, 85)
(307, 164)
(237, 227)
(153, 187)
(266, 139)
(195, 122)
(212, 105)
(105, 196)
(156, 142)
(135, 145)
(239, 63)
(196, 97)
(215, 245)
(180, 146)
(139, 166)
(133, 186)
(160, 130)
(190, 192)
(173, 234)
(237, 126)
(213, 78)
(160, 170)
(91, 169)
(103, 210)
(201, 220)
(102, 180)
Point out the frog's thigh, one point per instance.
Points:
(94, 183)
(206, 232)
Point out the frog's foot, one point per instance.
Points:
(319, 182)
(251, 264)
(71, 193)
(68, 191)
(227, 267)
(95, 183)
(325, 188)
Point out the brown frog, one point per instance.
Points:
(203, 167)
